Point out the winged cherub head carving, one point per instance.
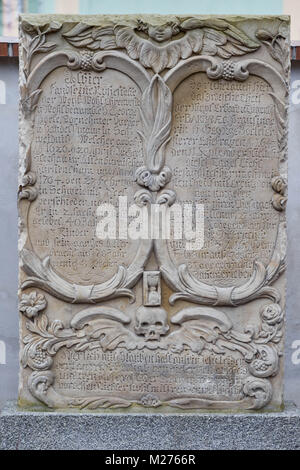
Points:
(161, 46)
(159, 33)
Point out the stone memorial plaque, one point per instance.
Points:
(152, 193)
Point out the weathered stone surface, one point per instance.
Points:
(181, 114)
(149, 431)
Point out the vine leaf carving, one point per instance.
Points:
(29, 100)
(277, 46)
(94, 327)
(33, 42)
(281, 109)
(162, 46)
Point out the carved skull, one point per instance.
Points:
(151, 322)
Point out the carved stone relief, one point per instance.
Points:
(167, 111)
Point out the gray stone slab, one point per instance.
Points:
(188, 431)
(213, 122)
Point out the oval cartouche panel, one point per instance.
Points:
(223, 154)
(85, 151)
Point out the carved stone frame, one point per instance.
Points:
(153, 177)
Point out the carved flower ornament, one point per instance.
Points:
(44, 29)
(272, 314)
(31, 304)
(150, 400)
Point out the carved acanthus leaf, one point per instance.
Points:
(205, 328)
(161, 47)
(189, 288)
(43, 276)
(156, 116)
(95, 327)
(200, 328)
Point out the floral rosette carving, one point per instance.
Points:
(154, 182)
(32, 304)
(266, 361)
(150, 400)
(272, 315)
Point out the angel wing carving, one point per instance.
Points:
(93, 327)
(91, 37)
(105, 327)
(161, 47)
(207, 328)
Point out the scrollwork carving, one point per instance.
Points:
(200, 328)
(27, 189)
(258, 393)
(154, 182)
(39, 384)
(207, 328)
(260, 390)
(42, 275)
(279, 199)
(258, 286)
(99, 402)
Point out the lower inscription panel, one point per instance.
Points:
(163, 374)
